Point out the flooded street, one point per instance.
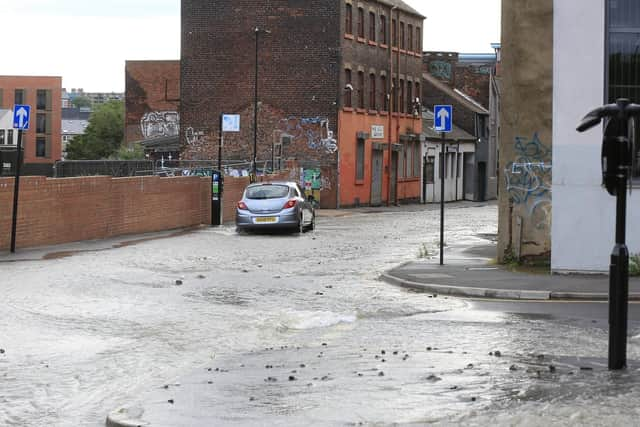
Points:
(270, 329)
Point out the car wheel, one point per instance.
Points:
(300, 227)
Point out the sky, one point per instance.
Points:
(87, 42)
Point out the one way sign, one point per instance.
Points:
(443, 116)
(21, 115)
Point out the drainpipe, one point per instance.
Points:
(399, 106)
(391, 98)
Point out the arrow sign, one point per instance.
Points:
(443, 118)
(21, 115)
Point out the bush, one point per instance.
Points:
(634, 265)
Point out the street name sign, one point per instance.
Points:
(21, 115)
(442, 118)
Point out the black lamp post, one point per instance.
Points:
(255, 110)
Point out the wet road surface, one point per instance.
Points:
(86, 334)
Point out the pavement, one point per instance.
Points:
(470, 271)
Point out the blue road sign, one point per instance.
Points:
(21, 115)
(442, 118)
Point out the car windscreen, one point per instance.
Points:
(261, 192)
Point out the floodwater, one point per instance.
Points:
(270, 329)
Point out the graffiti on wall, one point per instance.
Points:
(440, 69)
(160, 123)
(528, 179)
(314, 131)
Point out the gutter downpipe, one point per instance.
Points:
(395, 202)
(391, 98)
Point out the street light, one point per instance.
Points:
(255, 109)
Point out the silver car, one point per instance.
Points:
(275, 205)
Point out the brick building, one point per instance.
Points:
(325, 72)
(152, 100)
(42, 141)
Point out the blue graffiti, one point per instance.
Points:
(528, 179)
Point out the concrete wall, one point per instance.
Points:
(583, 212)
(526, 128)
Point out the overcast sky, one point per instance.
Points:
(87, 41)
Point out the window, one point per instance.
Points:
(349, 88)
(360, 89)
(384, 102)
(10, 136)
(2, 136)
(401, 102)
(41, 99)
(372, 26)
(360, 159)
(0, 97)
(394, 33)
(19, 96)
(623, 39)
(361, 22)
(41, 123)
(348, 22)
(372, 91)
(418, 94)
(410, 38)
(401, 35)
(401, 161)
(418, 40)
(41, 146)
(409, 98)
(383, 29)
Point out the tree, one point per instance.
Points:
(135, 152)
(81, 101)
(103, 135)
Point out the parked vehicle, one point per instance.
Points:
(277, 204)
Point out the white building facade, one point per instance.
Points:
(596, 59)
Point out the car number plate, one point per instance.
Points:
(266, 219)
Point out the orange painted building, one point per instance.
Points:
(364, 159)
(379, 123)
(42, 142)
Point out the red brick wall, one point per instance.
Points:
(152, 99)
(59, 210)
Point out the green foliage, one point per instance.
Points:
(634, 265)
(103, 136)
(423, 251)
(81, 101)
(136, 152)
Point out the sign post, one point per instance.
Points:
(442, 119)
(21, 115)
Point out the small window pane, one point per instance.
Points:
(41, 147)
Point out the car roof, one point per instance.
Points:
(287, 183)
